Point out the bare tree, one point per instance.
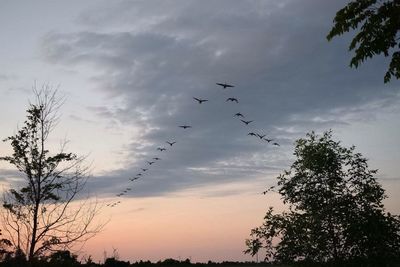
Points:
(42, 214)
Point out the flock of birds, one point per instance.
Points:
(150, 162)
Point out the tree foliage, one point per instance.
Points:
(378, 22)
(63, 258)
(5, 245)
(335, 211)
(40, 216)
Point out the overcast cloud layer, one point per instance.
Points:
(152, 57)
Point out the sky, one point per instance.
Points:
(129, 71)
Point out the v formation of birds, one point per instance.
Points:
(170, 144)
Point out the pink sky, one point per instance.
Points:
(181, 226)
(189, 225)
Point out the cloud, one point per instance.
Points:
(80, 119)
(157, 56)
(7, 77)
(136, 210)
(4, 77)
(10, 177)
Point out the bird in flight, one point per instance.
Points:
(139, 174)
(225, 85)
(170, 143)
(261, 136)
(239, 115)
(144, 170)
(252, 134)
(134, 178)
(150, 162)
(200, 100)
(232, 99)
(268, 140)
(161, 149)
(156, 158)
(246, 122)
(276, 144)
(185, 126)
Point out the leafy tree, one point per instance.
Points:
(8, 257)
(40, 215)
(113, 262)
(63, 258)
(335, 211)
(378, 22)
(253, 246)
(5, 245)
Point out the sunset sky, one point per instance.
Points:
(129, 71)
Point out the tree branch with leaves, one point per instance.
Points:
(378, 26)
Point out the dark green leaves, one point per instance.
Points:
(378, 24)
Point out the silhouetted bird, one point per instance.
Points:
(239, 115)
(170, 143)
(246, 122)
(200, 100)
(134, 178)
(156, 158)
(139, 174)
(150, 162)
(261, 136)
(225, 85)
(252, 134)
(276, 144)
(161, 149)
(232, 99)
(268, 140)
(144, 170)
(185, 126)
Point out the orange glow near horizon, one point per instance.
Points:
(189, 225)
(202, 224)
(182, 226)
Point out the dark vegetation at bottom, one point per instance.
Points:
(67, 259)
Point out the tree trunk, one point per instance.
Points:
(34, 232)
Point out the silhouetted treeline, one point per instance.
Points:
(67, 259)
